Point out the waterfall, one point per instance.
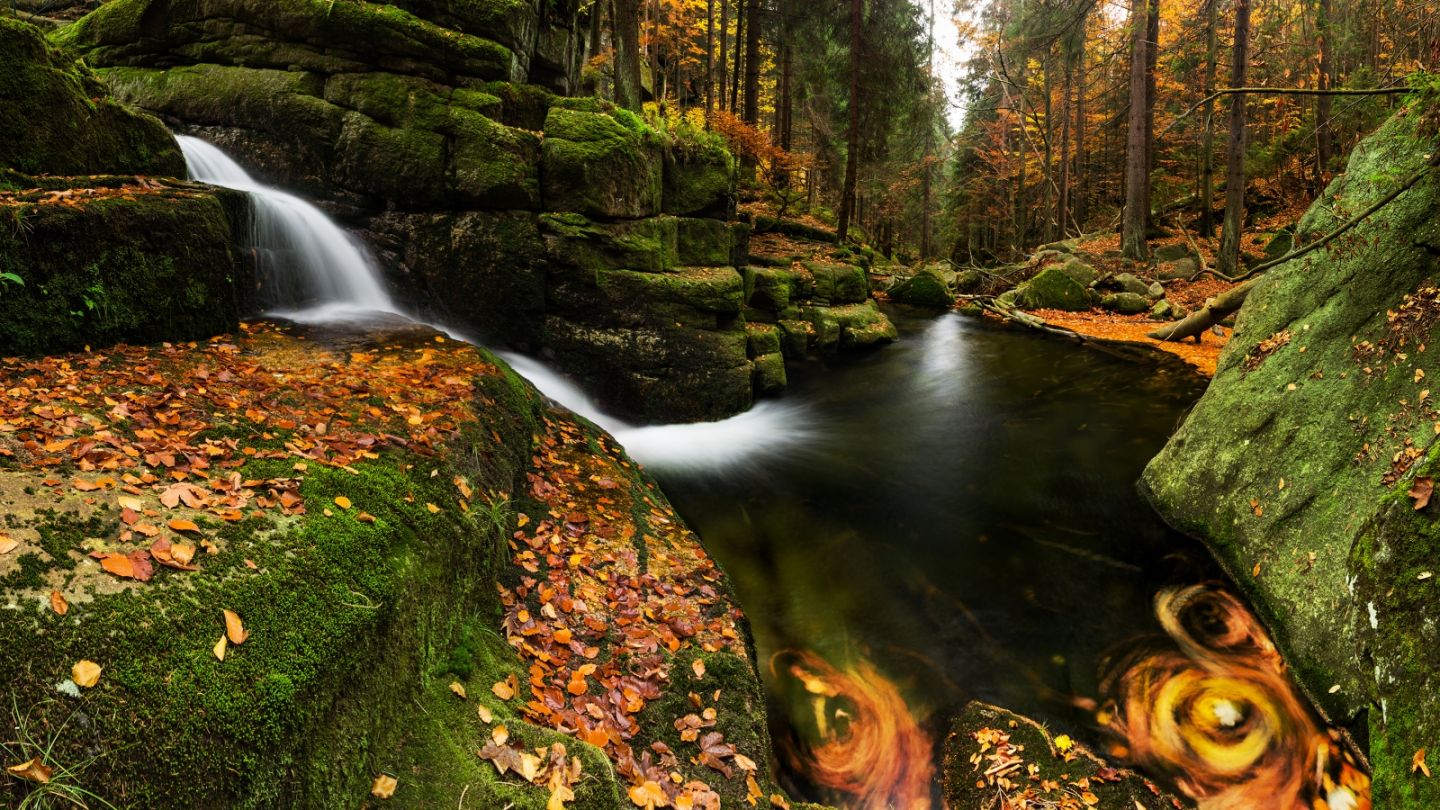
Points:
(316, 270)
(319, 274)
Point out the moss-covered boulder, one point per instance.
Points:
(1082, 273)
(849, 326)
(1053, 288)
(380, 557)
(769, 288)
(993, 754)
(838, 283)
(926, 288)
(58, 118)
(1295, 466)
(699, 177)
(1125, 303)
(122, 260)
(601, 164)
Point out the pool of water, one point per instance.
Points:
(961, 518)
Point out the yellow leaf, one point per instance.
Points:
(649, 795)
(234, 629)
(342, 501)
(131, 502)
(503, 690)
(365, 517)
(34, 770)
(85, 673)
(529, 766)
(432, 507)
(8, 545)
(384, 786)
(1064, 743)
(699, 667)
(558, 797)
(458, 688)
(220, 649)
(484, 712)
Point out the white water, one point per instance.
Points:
(329, 276)
(338, 281)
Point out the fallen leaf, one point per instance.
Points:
(484, 712)
(499, 735)
(432, 507)
(85, 673)
(698, 666)
(1421, 491)
(649, 795)
(384, 786)
(8, 545)
(58, 603)
(1064, 743)
(558, 796)
(234, 629)
(181, 525)
(219, 649)
(365, 517)
(119, 565)
(342, 502)
(503, 689)
(131, 502)
(1417, 763)
(458, 688)
(34, 770)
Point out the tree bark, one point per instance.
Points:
(1323, 146)
(752, 63)
(1228, 260)
(1079, 193)
(1207, 144)
(709, 57)
(925, 179)
(1152, 60)
(625, 14)
(740, 21)
(1137, 202)
(852, 135)
(724, 50)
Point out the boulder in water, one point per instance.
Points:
(926, 288)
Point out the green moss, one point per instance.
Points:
(1053, 288)
(59, 120)
(838, 283)
(155, 267)
(927, 288)
(593, 163)
(702, 242)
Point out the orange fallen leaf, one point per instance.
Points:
(119, 565)
(1417, 763)
(698, 666)
(499, 735)
(234, 629)
(181, 525)
(85, 673)
(432, 507)
(33, 770)
(649, 795)
(342, 502)
(1421, 491)
(384, 786)
(365, 517)
(58, 603)
(503, 689)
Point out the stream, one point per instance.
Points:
(947, 519)
(962, 519)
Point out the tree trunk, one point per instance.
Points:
(1080, 135)
(852, 134)
(1152, 59)
(626, 17)
(724, 50)
(1047, 160)
(709, 57)
(1063, 205)
(1323, 145)
(752, 63)
(1137, 203)
(1207, 147)
(740, 21)
(925, 179)
(1228, 260)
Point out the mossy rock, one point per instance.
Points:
(761, 339)
(849, 326)
(699, 180)
(703, 242)
(769, 374)
(650, 372)
(59, 119)
(649, 245)
(687, 296)
(1053, 288)
(312, 35)
(1052, 766)
(137, 265)
(838, 283)
(926, 288)
(1082, 273)
(1125, 303)
(1322, 385)
(769, 288)
(599, 164)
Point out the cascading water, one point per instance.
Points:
(317, 272)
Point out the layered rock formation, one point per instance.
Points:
(551, 223)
